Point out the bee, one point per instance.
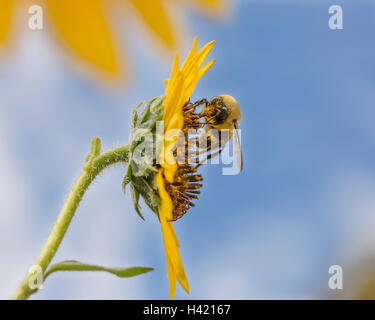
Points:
(221, 113)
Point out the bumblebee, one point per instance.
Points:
(221, 113)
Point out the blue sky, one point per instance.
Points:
(303, 202)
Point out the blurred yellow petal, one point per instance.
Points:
(84, 28)
(214, 4)
(213, 7)
(6, 12)
(157, 19)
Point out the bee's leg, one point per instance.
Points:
(215, 154)
(210, 156)
(208, 141)
(198, 103)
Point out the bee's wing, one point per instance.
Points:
(237, 146)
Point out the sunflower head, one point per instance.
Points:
(158, 171)
(146, 142)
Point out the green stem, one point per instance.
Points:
(94, 165)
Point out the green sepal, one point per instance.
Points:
(135, 115)
(135, 197)
(96, 146)
(141, 171)
(127, 178)
(147, 192)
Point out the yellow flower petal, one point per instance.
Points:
(6, 12)
(176, 122)
(173, 100)
(174, 265)
(204, 52)
(205, 68)
(171, 277)
(170, 170)
(173, 233)
(156, 17)
(191, 55)
(84, 28)
(166, 207)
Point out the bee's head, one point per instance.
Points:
(231, 104)
(223, 110)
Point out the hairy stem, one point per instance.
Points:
(94, 165)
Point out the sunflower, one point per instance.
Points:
(85, 28)
(177, 181)
(167, 183)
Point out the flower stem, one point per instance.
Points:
(94, 165)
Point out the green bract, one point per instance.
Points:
(146, 138)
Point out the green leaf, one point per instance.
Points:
(72, 265)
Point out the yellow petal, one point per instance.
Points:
(171, 278)
(171, 251)
(197, 59)
(176, 64)
(191, 55)
(173, 98)
(173, 233)
(179, 88)
(204, 52)
(169, 171)
(84, 28)
(166, 206)
(205, 68)
(191, 82)
(6, 12)
(176, 122)
(156, 17)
